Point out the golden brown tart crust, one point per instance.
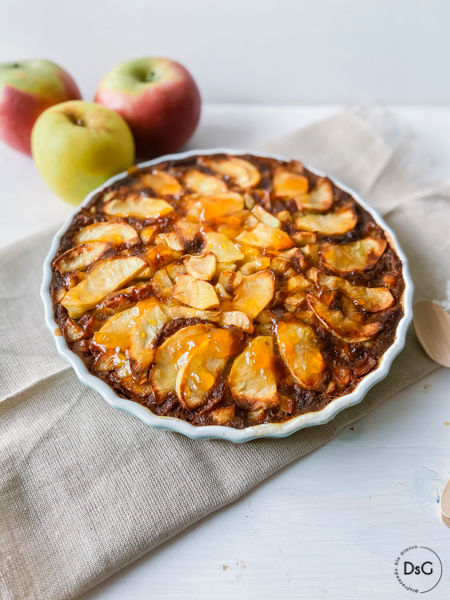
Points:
(227, 290)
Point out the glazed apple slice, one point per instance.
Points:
(372, 299)
(195, 292)
(252, 379)
(106, 277)
(237, 318)
(180, 311)
(147, 326)
(287, 184)
(161, 182)
(175, 269)
(140, 207)
(254, 292)
(123, 298)
(241, 172)
(349, 326)
(222, 247)
(204, 184)
(181, 237)
(148, 233)
(198, 374)
(300, 350)
(355, 256)
(171, 355)
(107, 231)
(223, 415)
(161, 283)
(258, 264)
(319, 199)
(265, 217)
(80, 257)
(263, 236)
(297, 283)
(207, 208)
(201, 267)
(336, 223)
(114, 334)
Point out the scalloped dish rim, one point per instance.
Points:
(265, 430)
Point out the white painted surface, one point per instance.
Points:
(331, 525)
(249, 50)
(328, 527)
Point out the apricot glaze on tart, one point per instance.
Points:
(227, 290)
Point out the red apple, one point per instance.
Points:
(159, 100)
(27, 88)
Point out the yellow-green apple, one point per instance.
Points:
(159, 100)
(78, 145)
(27, 88)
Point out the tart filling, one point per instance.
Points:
(227, 290)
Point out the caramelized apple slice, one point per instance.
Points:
(147, 326)
(208, 208)
(336, 223)
(287, 184)
(252, 379)
(114, 334)
(255, 292)
(222, 416)
(320, 198)
(123, 298)
(106, 277)
(265, 217)
(302, 238)
(294, 303)
(73, 332)
(349, 326)
(80, 257)
(300, 350)
(240, 171)
(171, 355)
(107, 231)
(260, 263)
(137, 206)
(237, 318)
(161, 283)
(372, 299)
(201, 267)
(263, 236)
(198, 374)
(179, 311)
(195, 292)
(355, 256)
(175, 269)
(148, 233)
(181, 237)
(162, 183)
(222, 247)
(297, 283)
(204, 184)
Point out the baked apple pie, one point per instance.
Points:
(227, 290)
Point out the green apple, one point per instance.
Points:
(78, 145)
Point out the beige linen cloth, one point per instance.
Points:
(86, 489)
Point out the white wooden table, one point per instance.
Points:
(331, 525)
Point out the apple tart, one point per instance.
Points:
(227, 290)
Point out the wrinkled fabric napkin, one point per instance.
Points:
(86, 489)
